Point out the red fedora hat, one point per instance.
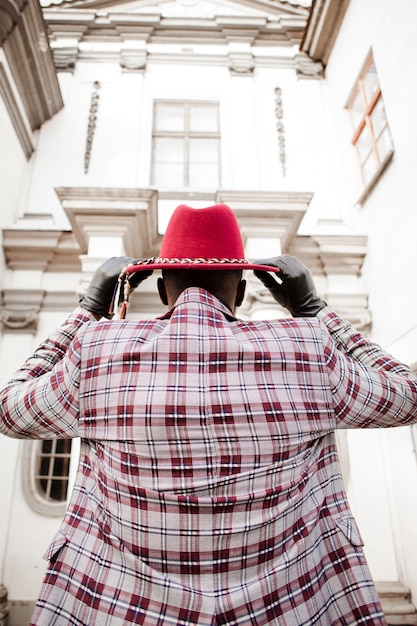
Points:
(204, 239)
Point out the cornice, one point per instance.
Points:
(31, 64)
(122, 26)
(17, 119)
(10, 13)
(82, 35)
(323, 25)
(286, 11)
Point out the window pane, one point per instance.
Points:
(369, 168)
(203, 176)
(379, 119)
(203, 118)
(364, 144)
(168, 150)
(204, 160)
(357, 110)
(204, 150)
(384, 144)
(168, 162)
(370, 83)
(169, 117)
(52, 463)
(169, 175)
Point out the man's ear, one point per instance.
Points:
(162, 291)
(240, 294)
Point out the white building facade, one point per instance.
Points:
(112, 114)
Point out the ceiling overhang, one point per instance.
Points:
(323, 25)
(25, 43)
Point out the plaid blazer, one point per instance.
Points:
(208, 490)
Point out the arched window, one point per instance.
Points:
(46, 472)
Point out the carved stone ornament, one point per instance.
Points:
(17, 320)
(241, 64)
(133, 60)
(91, 129)
(279, 114)
(307, 68)
(65, 58)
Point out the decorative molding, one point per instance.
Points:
(241, 63)
(268, 214)
(307, 68)
(279, 114)
(40, 249)
(273, 28)
(133, 53)
(31, 65)
(65, 58)
(13, 110)
(350, 306)
(10, 12)
(131, 214)
(130, 34)
(330, 254)
(341, 254)
(323, 25)
(133, 60)
(20, 321)
(91, 128)
(20, 309)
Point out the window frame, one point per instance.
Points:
(186, 135)
(36, 497)
(366, 124)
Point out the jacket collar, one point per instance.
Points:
(202, 297)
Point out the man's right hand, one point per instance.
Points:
(297, 292)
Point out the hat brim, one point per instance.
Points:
(198, 264)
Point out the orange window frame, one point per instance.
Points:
(373, 145)
(368, 110)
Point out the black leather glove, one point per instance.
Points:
(297, 292)
(99, 294)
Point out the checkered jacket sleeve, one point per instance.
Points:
(26, 406)
(370, 387)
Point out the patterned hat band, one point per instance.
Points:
(188, 261)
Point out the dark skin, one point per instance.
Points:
(226, 285)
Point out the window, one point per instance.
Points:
(371, 135)
(46, 475)
(186, 142)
